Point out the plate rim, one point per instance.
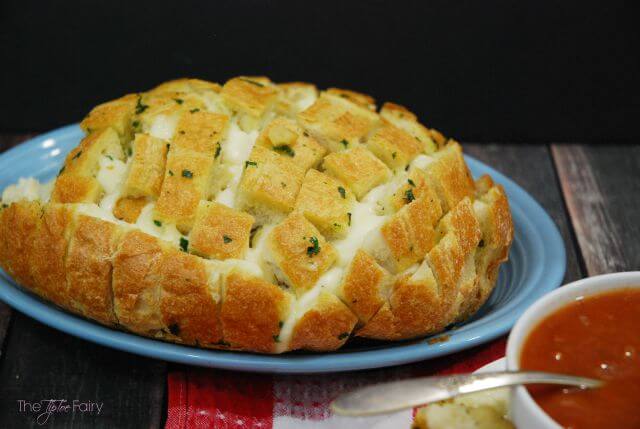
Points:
(394, 354)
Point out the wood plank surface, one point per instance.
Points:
(601, 185)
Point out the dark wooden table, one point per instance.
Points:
(591, 191)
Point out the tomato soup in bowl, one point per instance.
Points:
(589, 328)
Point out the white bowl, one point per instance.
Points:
(524, 410)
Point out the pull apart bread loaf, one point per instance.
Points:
(260, 217)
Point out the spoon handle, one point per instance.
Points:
(397, 395)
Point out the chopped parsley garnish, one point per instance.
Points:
(110, 157)
(178, 100)
(343, 335)
(343, 193)
(248, 163)
(181, 132)
(4, 205)
(411, 182)
(194, 110)
(276, 338)
(188, 174)
(408, 195)
(406, 168)
(344, 142)
(168, 147)
(280, 324)
(314, 249)
(135, 124)
(170, 173)
(77, 155)
(140, 107)
(481, 244)
(394, 154)
(184, 244)
(349, 214)
(226, 239)
(130, 151)
(218, 150)
(174, 328)
(285, 149)
(157, 222)
(252, 82)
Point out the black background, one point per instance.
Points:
(478, 70)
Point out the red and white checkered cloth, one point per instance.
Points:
(206, 398)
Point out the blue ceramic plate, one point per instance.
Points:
(536, 266)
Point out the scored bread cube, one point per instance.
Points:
(76, 182)
(294, 97)
(147, 167)
(158, 113)
(299, 253)
(402, 118)
(220, 232)
(327, 325)
(186, 182)
(360, 99)
(393, 146)
(407, 236)
(449, 176)
(269, 185)
(365, 286)
(326, 202)
(115, 114)
(407, 188)
(358, 168)
(287, 138)
(186, 85)
(252, 97)
(336, 122)
(200, 131)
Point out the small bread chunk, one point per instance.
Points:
(326, 202)
(409, 234)
(402, 118)
(358, 168)
(325, 326)
(360, 99)
(76, 181)
(483, 410)
(251, 97)
(336, 122)
(188, 303)
(287, 138)
(449, 176)
(294, 97)
(253, 312)
(114, 114)
(269, 185)
(128, 208)
(299, 252)
(88, 266)
(220, 232)
(147, 167)
(393, 146)
(364, 287)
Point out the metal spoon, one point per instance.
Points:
(397, 395)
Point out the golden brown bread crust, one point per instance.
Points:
(276, 279)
